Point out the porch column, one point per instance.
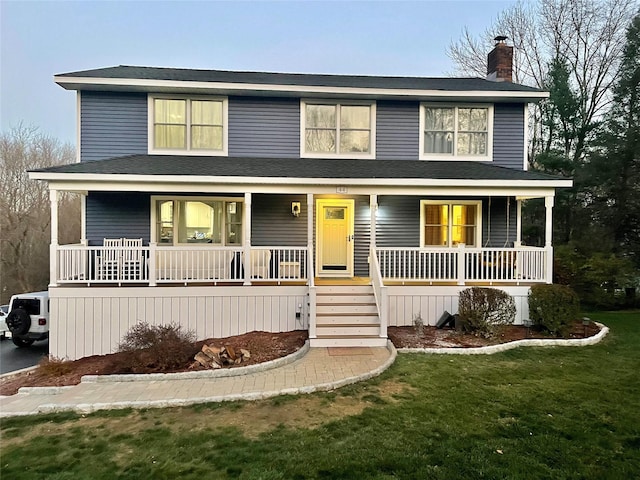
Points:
(311, 268)
(548, 234)
(53, 247)
(247, 238)
(83, 219)
(518, 242)
(373, 205)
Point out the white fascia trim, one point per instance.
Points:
(332, 191)
(71, 83)
(188, 179)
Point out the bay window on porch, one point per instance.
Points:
(198, 220)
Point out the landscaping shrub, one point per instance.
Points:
(483, 311)
(54, 367)
(157, 347)
(553, 307)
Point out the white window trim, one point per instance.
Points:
(154, 219)
(303, 122)
(477, 203)
(187, 151)
(454, 156)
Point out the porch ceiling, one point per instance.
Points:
(297, 171)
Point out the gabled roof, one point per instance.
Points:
(315, 170)
(136, 78)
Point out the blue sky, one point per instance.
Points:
(40, 39)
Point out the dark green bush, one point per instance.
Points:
(157, 348)
(553, 307)
(483, 311)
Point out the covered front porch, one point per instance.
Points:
(264, 261)
(334, 236)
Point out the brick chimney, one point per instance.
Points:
(500, 61)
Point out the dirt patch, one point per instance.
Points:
(250, 418)
(263, 346)
(408, 337)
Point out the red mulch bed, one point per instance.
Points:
(263, 347)
(407, 337)
(270, 346)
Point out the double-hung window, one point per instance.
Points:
(197, 220)
(456, 132)
(197, 126)
(446, 224)
(330, 129)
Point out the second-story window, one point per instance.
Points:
(338, 129)
(196, 125)
(456, 132)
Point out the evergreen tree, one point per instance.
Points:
(613, 170)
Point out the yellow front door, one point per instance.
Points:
(334, 230)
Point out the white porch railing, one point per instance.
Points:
(380, 292)
(463, 264)
(154, 264)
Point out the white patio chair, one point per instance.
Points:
(131, 258)
(260, 260)
(109, 261)
(219, 265)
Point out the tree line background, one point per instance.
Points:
(586, 53)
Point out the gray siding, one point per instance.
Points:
(362, 236)
(118, 215)
(272, 223)
(508, 135)
(112, 124)
(399, 221)
(264, 127)
(397, 130)
(500, 234)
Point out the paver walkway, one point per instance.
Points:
(319, 369)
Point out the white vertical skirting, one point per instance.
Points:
(92, 321)
(430, 302)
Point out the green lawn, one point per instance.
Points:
(527, 413)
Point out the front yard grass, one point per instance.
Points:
(523, 414)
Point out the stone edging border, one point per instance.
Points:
(182, 402)
(502, 347)
(226, 372)
(17, 372)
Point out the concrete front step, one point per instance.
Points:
(347, 330)
(345, 298)
(346, 308)
(363, 319)
(348, 342)
(346, 316)
(344, 289)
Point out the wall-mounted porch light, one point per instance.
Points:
(295, 209)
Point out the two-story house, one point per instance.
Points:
(233, 201)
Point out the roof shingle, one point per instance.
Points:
(182, 165)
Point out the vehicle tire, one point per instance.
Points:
(22, 342)
(18, 321)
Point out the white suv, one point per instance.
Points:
(28, 318)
